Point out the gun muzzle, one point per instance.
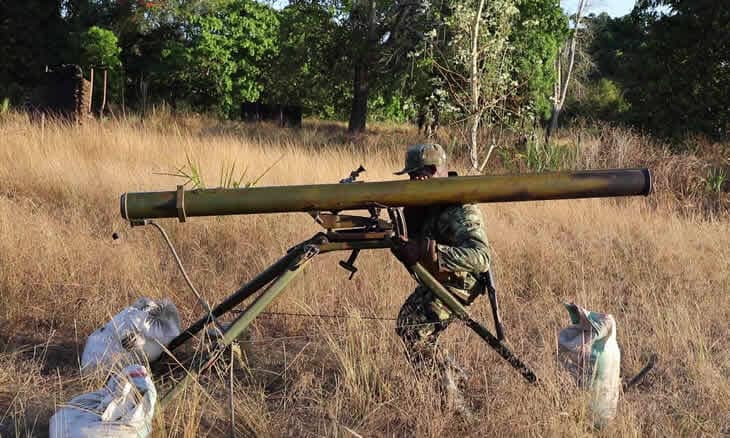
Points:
(337, 197)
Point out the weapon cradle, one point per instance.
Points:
(279, 275)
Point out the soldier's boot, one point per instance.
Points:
(453, 379)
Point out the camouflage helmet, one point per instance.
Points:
(420, 155)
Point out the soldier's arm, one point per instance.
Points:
(469, 249)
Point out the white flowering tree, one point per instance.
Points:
(564, 69)
(476, 63)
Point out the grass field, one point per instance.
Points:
(660, 265)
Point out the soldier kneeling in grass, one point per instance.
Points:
(451, 243)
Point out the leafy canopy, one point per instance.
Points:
(100, 47)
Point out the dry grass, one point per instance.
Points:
(661, 270)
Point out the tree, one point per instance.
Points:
(100, 47)
(382, 34)
(564, 69)
(310, 68)
(489, 62)
(476, 62)
(210, 55)
(686, 86)
(539, 32)
(33, 35)
(665, 67)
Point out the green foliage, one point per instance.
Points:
(227, 174)
(664, 67)
(4, 106)
(495, 58)
(715, 180)
(206, 56)
(539, 157)
(382, 38)
(603, 98)
(608, 98)
(394, 108)
(672, 67)
(539, 31)
(228, 178)
(519, 41)
(190, 172)
(224, 57)
(100, 47)
(309, 67)
(32, 35)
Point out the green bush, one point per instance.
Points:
(391, 108)
(715, 180)
(4, 106)
(539, 157)
(606, 99)
(100, 47)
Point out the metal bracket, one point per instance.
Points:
(398, 221)
(180, 203)
(349, 264)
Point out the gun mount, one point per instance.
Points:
(354, 233)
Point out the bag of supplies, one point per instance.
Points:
(137, 334)
(589, 351)
(122, 409)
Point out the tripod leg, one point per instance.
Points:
(427, 280)
(244, 320)
(492, 292)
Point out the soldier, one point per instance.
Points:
(450, 242)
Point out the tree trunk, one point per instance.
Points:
(91, 90)
(561, 90)
(364, 15)
(361, 89)
(123, 86)
(475, 80)
(473, 145)
(143, 92)
(103, 97)
(553, 125)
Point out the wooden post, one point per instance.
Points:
(103, 99)
(124, 110)
(143, 90)
(91, 90)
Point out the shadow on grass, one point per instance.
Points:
(54, 355)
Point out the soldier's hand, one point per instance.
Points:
(412, 251)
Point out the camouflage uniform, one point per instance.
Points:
(463, 253)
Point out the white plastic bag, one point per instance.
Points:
(135, 334)
(589, 351)
(122, 409)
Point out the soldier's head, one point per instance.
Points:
(424, 161)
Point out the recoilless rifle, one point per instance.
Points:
(354, 233)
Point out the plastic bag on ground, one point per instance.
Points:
(122, 409)
(134, 335)
(589, 351)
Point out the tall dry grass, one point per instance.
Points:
(662, 271)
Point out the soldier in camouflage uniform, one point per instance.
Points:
(450, 242)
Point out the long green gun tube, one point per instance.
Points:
(437, 288)
(336, 197)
